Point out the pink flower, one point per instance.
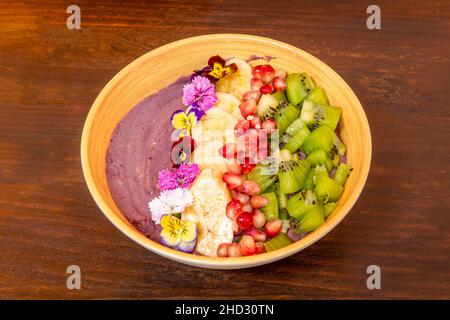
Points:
(182, 178)
(200, 93)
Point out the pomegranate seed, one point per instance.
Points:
(244, 220)
(258, 201)
(257, 71)
(233, 209)
(267, 73)
(228, 150)
(248, 107)
(254, 94)
(250, 187)
(256, 84)
(233, 181)
(266, 89)
(222, 250)
(269, 125)
(259, 247)
(257, 234)
(247, 245)
(234, 250)
(255, 121)
(279, 84)
(247, 167)
(273, 227)
(234, 168)
(241, 127)
(247, 208)
(259, 218)
(280, 73)
(242, 198)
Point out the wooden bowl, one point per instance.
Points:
(162, 66)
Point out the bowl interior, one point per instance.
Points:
(161, 67)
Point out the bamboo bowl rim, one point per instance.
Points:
(214, 262)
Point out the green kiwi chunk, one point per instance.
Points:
(319, 157)
(280, 241)
(315, 115)
(279, 95)
(295, 135)
(312, 219)
(327, 189)
(271, 210)
(342, 172)
(262, 175)
(328, 209)
(267, 106)
(313, 175)
(282, 197)
(319, 96)
(337, 150)
(320, 138)
(299, 204)
(286, 114)
(298, 87)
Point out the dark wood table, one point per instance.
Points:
(49, 77)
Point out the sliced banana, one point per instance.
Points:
(228, 103)
(238, 82)
(208, 212)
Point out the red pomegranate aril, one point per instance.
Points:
(233, 181)
(257, 71)
(241, 127)
(254, 94)
(233, 209)
(273, 227)
(269, 125)
(266, 89)
(248, 107)
(259, 248)
(247, 208)
(259, 218)
(228, 150)
(222, 250)
(247, 245)
(234, 250)
(243, 198)
(250, 187)
(267, 73)
(244, 220)
(258, 235)
(279, 84)
(234, 168)
(258, 201)
(256, 84)
(255, 121)
(280, 73)
(247, 167)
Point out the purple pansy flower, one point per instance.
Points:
(200, 93)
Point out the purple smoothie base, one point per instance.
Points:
(138, 150)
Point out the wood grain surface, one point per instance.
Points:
(49, 77)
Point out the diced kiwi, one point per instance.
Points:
(300, 203)
(318, 157)
(328, 209)
(267, 106)
(290, 131)
(280, 241)
(292, 175)
(298, 87)
(297, 135)
(262, 175)
(312, 219)
(315, 115)
(327, 189)
(286, 114)
(342, 172)
(320, 138)
(282, 197)
(313, 175)
(337, 150)
(279, 95)
(319, 96)
(271, 210)
(284, 215)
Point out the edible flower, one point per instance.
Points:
(183, 177)
(200, 93)
(184, 121)
(168, 202)
(178, 234)
(216, 69)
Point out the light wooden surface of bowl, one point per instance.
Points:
(162, 66)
